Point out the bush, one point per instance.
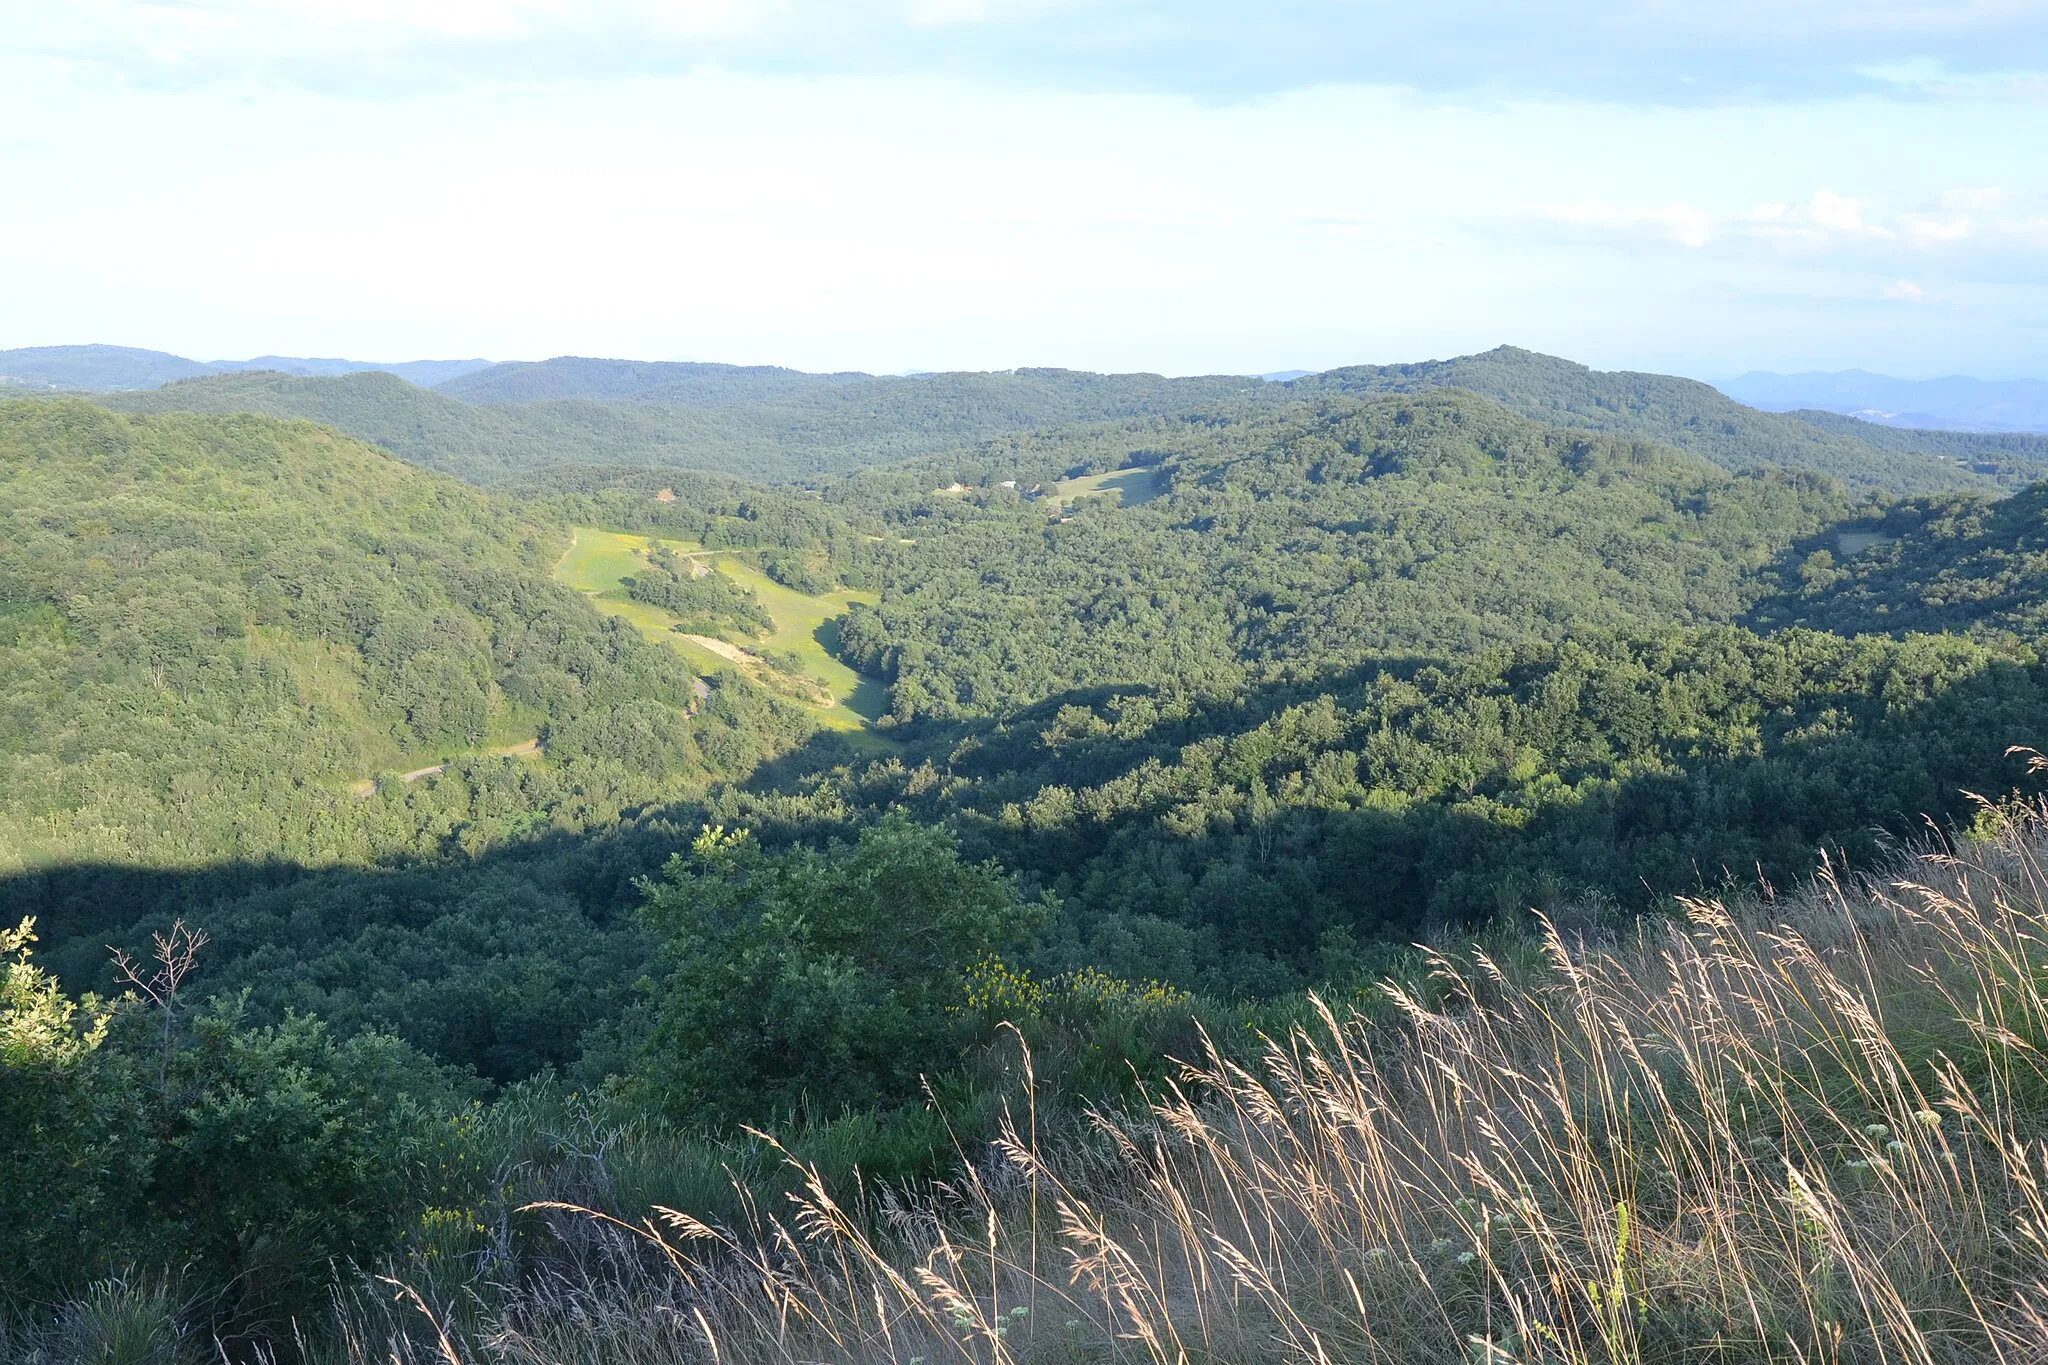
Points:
(818, 979)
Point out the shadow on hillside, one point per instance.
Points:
(526, 956)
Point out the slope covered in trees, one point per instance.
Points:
(767, 428)
(1955, 564)
(1304, 541)
(1682, 412)
(679, 383)
(212, 629)
(2021, 455)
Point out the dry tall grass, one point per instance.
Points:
(1808, 1130)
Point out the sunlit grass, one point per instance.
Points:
(599, 562)
(1132, 487)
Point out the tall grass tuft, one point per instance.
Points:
(124, 1320)
(1805, 1130)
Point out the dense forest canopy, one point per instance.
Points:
(222, 636)
(1658, 407)
(767, 425)
(1301, 541)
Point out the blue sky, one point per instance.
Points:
(1184, 187)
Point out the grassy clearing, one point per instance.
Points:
(599, 562)
(1810, 1131)
(1133, 487)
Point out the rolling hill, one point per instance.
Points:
(1300, 541)
(215, 631)
(827, 428)
(1955, 402)
(1681, 412)
(682, 383)
(103, 369)
(507, 421)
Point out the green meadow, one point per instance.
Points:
(1133, 487)
(806, 627)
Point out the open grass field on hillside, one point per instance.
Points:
(599, 562)
(1133, 487)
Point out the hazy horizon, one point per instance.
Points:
(1717, 379)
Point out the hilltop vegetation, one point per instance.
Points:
(217, 633)
(678, 383)
(1307, 540)
(764, 425)
(1681, 412)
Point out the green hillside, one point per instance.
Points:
(677, 383)
(214, 630)
(2008, 456)
(93, 367)
(1959, 564)
(1682, 412)
(1303, 541)
(550, 842)
(764, 423)
(766, 431)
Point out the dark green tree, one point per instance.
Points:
(818, 979)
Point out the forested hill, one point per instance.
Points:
(677, 382)
(1666, 408)
(2006, 455)
(1049, 396)
(773, 424)
(835, 428)
(479, 444)
(218, 633)
(1957, 564)
(1302, 541)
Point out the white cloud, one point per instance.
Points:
(1838, 214)
(1682, 223)
(1987, 199)
(1903, 291)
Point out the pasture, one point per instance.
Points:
(599, 562)
(1133, 487)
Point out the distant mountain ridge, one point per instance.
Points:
(112, 369)
(494, 422)
(762, 424)
(685, 383)
(1953, 403)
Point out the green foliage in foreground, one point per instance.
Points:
(818, 979)
(147, 1132)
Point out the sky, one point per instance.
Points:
(1180, 186)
